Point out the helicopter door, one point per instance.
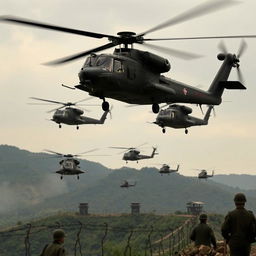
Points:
(131, 73)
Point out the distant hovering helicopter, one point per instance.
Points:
(203, 174)
(69, 165)
(126, 184)
(71, 115)
(135, 76)
(165, 169)
(133, 153)
(177, 116)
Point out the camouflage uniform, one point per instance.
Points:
(53, 249)
(239, 229)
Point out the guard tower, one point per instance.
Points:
(83, 209)
(135, 208)
(194, 208)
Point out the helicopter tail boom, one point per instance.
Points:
(220, 82)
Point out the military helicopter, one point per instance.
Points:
(134, 76)
(203, 174)
(165, 169)
(71, 115)
(126, 184)
(133, 153)
(69, 165)
(177, 116)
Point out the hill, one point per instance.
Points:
(241, 181)
(29, 189)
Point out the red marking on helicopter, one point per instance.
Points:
(185, 91)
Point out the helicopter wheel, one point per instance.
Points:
(155, 108)
(59, 125)
(186, 131)
(61, 177)
(105, 106)
(163, 130)
(77, 127)
(77, 177)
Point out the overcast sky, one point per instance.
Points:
(227, 144)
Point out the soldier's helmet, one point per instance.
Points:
(240, 198)
(203, 216)
(58, 234)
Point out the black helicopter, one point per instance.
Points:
(133, 153)
(204, 175)
(71, 115)
(126, 184)
(69, 165)
(177, 116)
(135, 76)
(165, 169)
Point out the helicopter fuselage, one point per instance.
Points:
(134, 77)
(69, 166)
(74, 116)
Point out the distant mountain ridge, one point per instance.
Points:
(28, 187)
(242, 181)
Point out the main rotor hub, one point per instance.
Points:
(126, 38)
(126, 34)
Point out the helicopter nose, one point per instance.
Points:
(89, 73)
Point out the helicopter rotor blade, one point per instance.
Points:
(91, 150)
(199, 38)
(51, 101)
(89, 98)
(197, 11)
(243, 47)
(240, 75)
(53, 152)
(140, 145)
(120, 148)
(222, 47)
(80, 55)
(173, 52)
(22, 21)
(50, 111)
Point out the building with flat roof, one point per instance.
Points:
(194, 207)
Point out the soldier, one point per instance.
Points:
(56, 247)
(202, 234)
(239, 228)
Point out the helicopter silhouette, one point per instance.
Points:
(69, 165)
(126, 184)
(134, 76)
(71, 115)
(165, 169)
(133, 154)
(204, 175)
(177, 116)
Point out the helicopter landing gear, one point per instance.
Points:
(155, 108)
(77, 127)
(59, 125)
(137, 162)
(61, 177)
(163, 130)
(78, 177)
(186, 131)
(105, 105)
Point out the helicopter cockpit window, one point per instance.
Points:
(89, 61)
(118, 66)
(104, 62)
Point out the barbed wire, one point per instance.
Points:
(169, 242)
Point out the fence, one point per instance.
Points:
(99, 239)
